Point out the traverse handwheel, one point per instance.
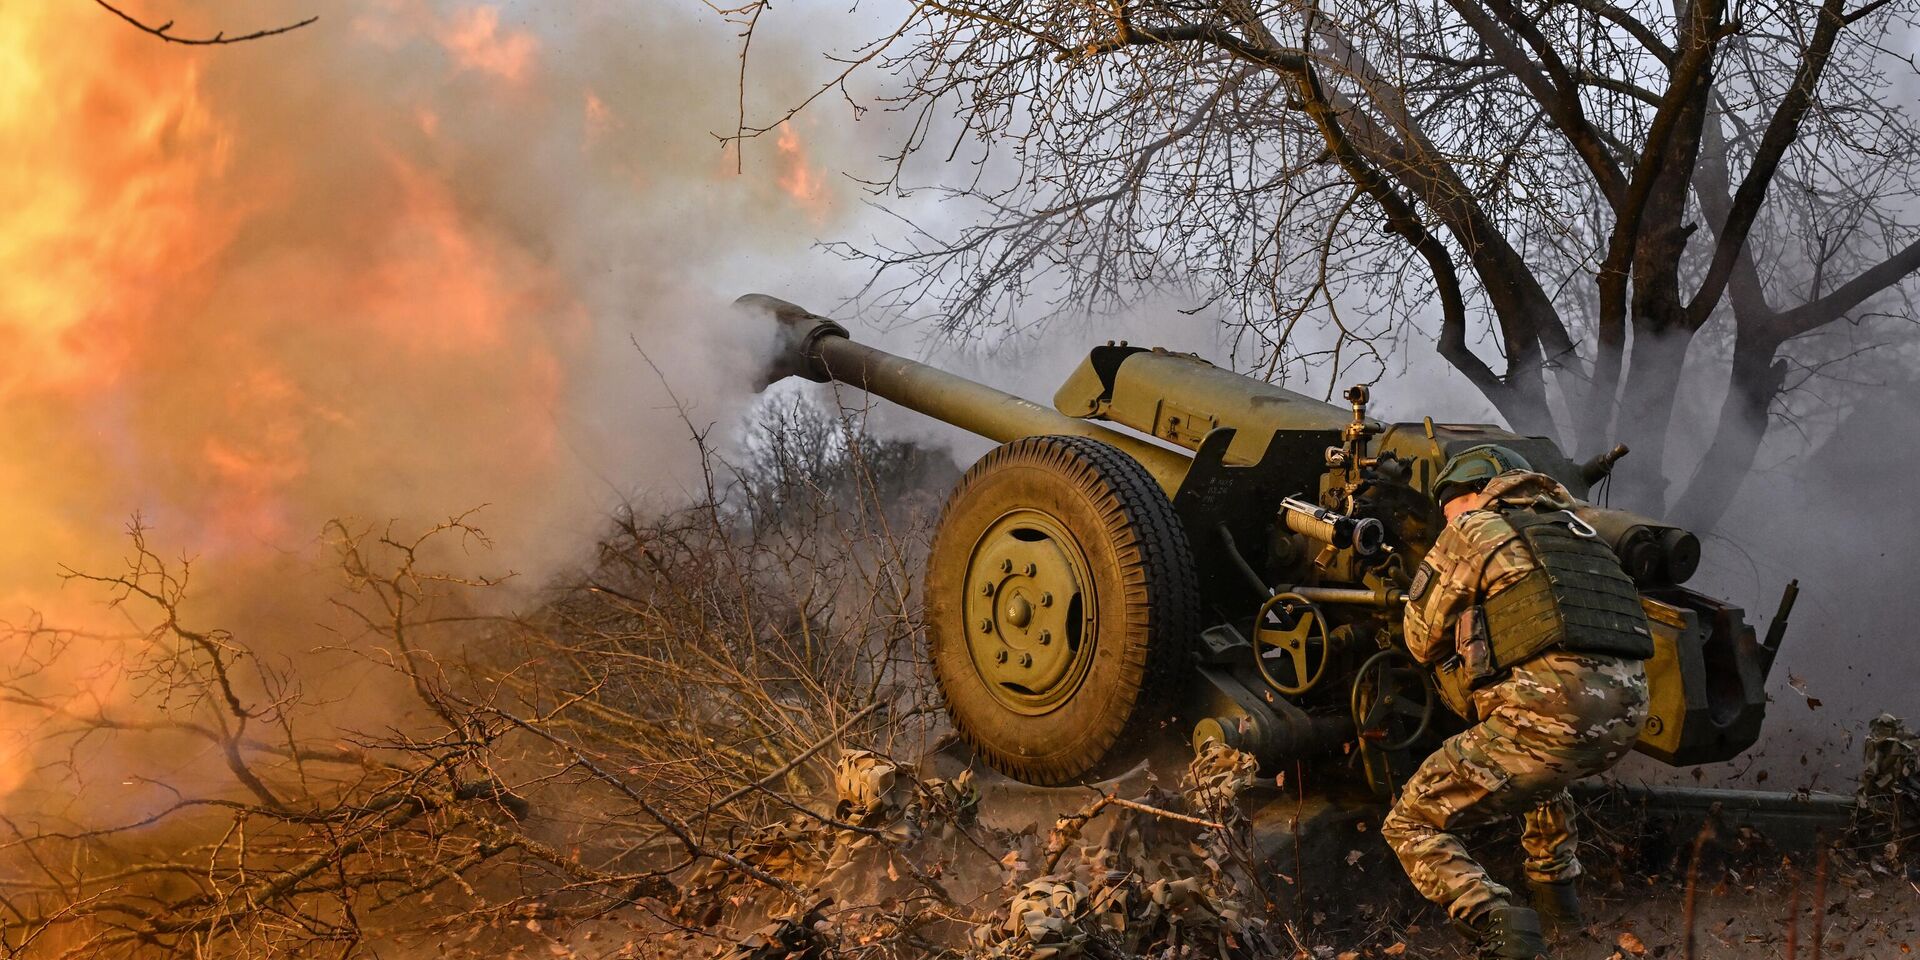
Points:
(1392, 701)
(1290, 643)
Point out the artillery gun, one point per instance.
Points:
(1177, 546)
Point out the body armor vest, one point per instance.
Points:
(1576, 598)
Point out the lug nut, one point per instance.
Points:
(1000, 657)
(1046, 599)
(986, 589)
(986, 625)
(1031, 570)
(1046, 637)
(1006, 566)
(1026, 660)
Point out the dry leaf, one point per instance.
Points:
(1628, 943)
(1396, 950)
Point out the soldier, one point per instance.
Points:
(1537, 637)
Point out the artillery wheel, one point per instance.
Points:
(1061, 596)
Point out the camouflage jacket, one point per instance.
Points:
(1478, 555)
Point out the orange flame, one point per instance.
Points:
(340, 273)
(799, 178)
(241, 327)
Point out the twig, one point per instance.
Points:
(1793, 917)
(1820, 898)
(1168, 814)
(1068, 827)
(1688, 945)
(878, 836)
(217, 39)
(679, 830)
(797, 760)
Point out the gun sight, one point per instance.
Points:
(1364, 534)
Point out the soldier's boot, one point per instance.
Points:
(1507, 932)
(1558, 905)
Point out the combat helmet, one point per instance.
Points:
(1471, 468)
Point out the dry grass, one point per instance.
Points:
(543, 771)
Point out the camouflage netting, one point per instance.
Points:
(1121, 915)
(801, 937)
(1160, 875)
(881, 814)
(1888, 797)
(1132, 893)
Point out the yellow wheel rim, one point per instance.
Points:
(1029, 613)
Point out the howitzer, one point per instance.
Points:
(1176, 545)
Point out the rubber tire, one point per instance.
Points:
(1146, 596)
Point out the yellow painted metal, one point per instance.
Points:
(1030, 611)
(1178, 397)
(1295, 636)
(978, 408)
(1667, 682)
(817, 348)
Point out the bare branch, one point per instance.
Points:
(164, 30)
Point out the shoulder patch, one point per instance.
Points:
(1422, 579)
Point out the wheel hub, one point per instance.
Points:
(1020, 612)
(1030, 606)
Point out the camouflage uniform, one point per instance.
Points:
(1554, 719)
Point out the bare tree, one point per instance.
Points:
(1580, 189)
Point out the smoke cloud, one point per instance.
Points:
(418, 257)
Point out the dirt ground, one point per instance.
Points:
(1866, 917)
(1232, 866)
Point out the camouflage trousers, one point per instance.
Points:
(1557, 718)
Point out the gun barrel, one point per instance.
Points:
(819, 349)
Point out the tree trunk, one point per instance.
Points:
(1594, 412)
(1528, 413)
(1646, 414)
(1753, 383)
